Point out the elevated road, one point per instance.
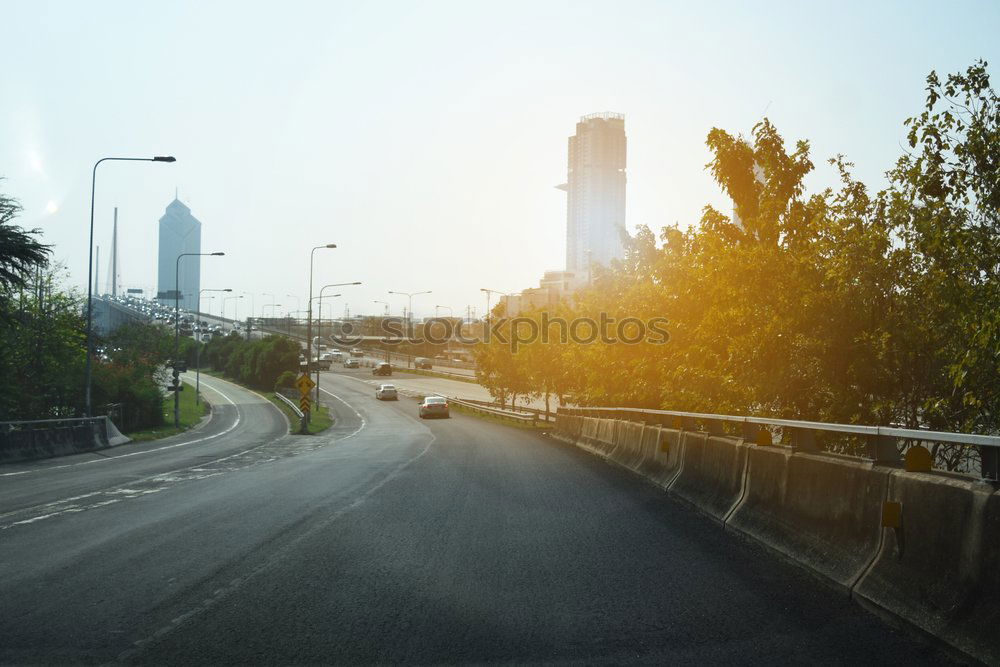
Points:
(392, 539)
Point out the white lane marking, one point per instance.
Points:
(145, 451)
(219, 594)
(364, 423)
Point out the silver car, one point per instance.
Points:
(386, 392)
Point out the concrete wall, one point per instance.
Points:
(23, 444)
(938, 569)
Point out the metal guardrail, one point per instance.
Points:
(523, 415)
(880, 441)
(290, 403)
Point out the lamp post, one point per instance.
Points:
(409, 317)
(177, 318)
(197, 363)
(384, 303)
(272, 305)
(309, 317)
(88, 409)
(488, 293)
(320, 299)
(253, 309)
(451, 311)
(236, 308)
(409, 309)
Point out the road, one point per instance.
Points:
(390, 539)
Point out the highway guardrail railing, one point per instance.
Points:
(880, 444)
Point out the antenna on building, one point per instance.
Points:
(176, 196)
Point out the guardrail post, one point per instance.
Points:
(990, 466)
(881, 450)
(803, 439)
(715, 427)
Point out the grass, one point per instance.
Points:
(320, 421)
(190, 414)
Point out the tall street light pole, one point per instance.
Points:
(177, 325)
(384, 303)
(272, 305)
(409, 317)
(309, 317)
(197, 362)
(88, 408)
(236, 308)
(320, 299)
(488, 293)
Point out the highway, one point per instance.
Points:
(390, 539)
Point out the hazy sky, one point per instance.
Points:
(425, 138)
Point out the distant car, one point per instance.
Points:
(421, 362)
(382, 368)
(323, 363)
(206, 337)
(434, 406)
(356, 352)
(386, 392)
(351, 363)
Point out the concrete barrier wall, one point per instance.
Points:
(938, 570)
(711, 475)
(820, 511)
(59, 440)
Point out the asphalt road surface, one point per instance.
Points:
(390, 539)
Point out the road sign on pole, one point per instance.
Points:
(305, 404)
(304, 383)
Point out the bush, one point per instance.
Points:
(285, 381)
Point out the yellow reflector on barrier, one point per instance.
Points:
(918, 459)
(892, 514)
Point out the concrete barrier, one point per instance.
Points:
(25, 441)
(711, 475)
(627, 451)
(940, 567)
(822, 512)
(937, 567)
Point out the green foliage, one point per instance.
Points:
(257, 363)
(21, 254)
(842, 305)
(285, 381)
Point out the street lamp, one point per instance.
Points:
(384, 303)
(253, 308)
(309, 320)
(488, 293)
(409, 310)
(272, 305)
(320, 299)
(451, 311)
(90, 264)
(236, 308)
(177, 324)
(409, 317)
(197, 363)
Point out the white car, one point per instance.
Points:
(434, 406)
(386, 392)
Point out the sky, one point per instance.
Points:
(425, 138)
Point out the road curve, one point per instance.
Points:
(391, 539)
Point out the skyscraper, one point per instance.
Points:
(595, 192)
(180, 232)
